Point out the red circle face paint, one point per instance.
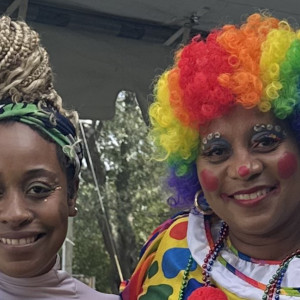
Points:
(243, 171)
(209, 181)
(287, 165)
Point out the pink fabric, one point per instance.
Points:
(55, 284)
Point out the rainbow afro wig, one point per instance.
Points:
(256, 64)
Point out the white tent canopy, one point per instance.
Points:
(98, 48)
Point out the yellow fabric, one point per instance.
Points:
(166, 259)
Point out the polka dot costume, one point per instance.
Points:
(164, 258)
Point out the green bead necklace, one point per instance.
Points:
(185, 277)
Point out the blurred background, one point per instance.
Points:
(105, 55)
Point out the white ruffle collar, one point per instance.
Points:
(199, 247)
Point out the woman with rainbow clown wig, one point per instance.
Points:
(226, 119)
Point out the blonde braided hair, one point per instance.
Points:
(25, 72)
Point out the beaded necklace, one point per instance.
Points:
(185, 278)
(271, 291)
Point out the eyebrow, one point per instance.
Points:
(41, 172)
(48, 175)
(214, 140)
(274, 128)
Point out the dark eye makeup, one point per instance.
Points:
(266, 140)
(216, 150)
(40, 190)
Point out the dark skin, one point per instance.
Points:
(35, 201)
(252, 182)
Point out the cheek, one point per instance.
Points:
(287, 165)
(55, 212)
(209, 181)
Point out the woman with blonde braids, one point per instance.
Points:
(40, 159)
(226, 119)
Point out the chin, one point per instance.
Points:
(26, 269)
(258, 225)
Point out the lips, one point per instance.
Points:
(19, 239)
(251, 196)
(24, 241)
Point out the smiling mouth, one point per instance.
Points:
(253, 195)
(22, 241)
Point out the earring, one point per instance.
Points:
(74, 212)
(201, 205)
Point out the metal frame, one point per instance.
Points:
(21, 6)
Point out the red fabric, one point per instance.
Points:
(207, 293)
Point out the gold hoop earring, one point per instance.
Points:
(203, 208)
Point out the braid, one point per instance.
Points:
(25, 72)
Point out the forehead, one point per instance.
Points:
(239, 119)
(22, 145)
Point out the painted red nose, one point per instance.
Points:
(243, 171)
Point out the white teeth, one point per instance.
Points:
(23, 241)
(252, 195)
(14, 242)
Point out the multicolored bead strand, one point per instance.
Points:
(274, 286)
(213, 254)
(208, 291)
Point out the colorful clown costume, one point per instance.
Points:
(172, 258)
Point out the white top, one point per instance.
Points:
(55, 284)
(199, 247)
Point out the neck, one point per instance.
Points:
(276, 245)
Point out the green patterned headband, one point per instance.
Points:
(49, 121)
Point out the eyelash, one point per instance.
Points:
(273, 141)
(44, 190)
(212, 155)
(36, 190)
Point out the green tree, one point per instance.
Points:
(130, 184)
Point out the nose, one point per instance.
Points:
(244, 166)
(14, 210)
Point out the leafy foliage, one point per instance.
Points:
(131, 191)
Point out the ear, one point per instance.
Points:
(72, 198)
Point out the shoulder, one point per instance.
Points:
(174, 228)
(85, 292)
(169, 235)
